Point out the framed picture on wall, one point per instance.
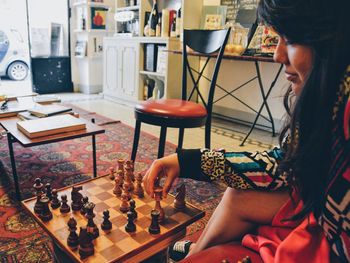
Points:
(80, 49)
(98, 17)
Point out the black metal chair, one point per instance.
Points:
(183, 113)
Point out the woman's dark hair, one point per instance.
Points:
(322, 25)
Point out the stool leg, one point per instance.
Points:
(136, 140)
(181, 138)
(207, 134)
(162, 141)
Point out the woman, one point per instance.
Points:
(299, 197)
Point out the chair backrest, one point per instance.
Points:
(206, 42)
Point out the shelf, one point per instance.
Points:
(92, 31)
(150, 73)
(89, 3)
(127, 8)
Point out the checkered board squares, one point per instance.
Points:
(116, 245)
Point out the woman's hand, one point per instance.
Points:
(164, 167)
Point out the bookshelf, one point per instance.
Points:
(124, 69)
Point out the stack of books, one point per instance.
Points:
(43, 111)
(50, 126)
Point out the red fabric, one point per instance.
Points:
(232, 252)
(290, 241)
(172, 108)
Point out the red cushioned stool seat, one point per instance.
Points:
(172, 108)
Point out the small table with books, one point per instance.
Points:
(15, 135)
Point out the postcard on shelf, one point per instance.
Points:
(80, 49)
(98, 17)
(161, 59)
(50, 126)
(213, 17)
(49, 110)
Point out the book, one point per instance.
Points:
(46, 99)
(49, 110)
(26, 115)
(50, 125)
(10, 111)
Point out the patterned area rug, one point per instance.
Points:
(69, 162)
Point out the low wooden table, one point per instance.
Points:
(14, 135)
(116, 245)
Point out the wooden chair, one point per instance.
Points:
(183, 113)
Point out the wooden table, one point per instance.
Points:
(265, 96)
(116, 245)
(14, 135)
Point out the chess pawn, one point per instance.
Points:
(55, 203)
(46, 214)
(86, 247)
(91, 226)
(85, 201)
(38, 186)
(64, 205)
(106, 224)
(48, 191)
(130, 226)
(73, 239)
(139, 190)
(154, 227)
(117, 190)
(132, 208)
(124, 206)
(158, 196)
(120, 175)
(179, 201)
(111, 173)
(126, 190)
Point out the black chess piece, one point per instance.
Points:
(91, 226)
(48, 191)
(64, 206)
(106, 224)
(76, 198)
(73, 239)
(46, 214)
(85, 201)
(154, 227)
(130, 226)
(55, 203)
(132, 208)
(86, 247)
(38, 186)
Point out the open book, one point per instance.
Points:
(50, 125)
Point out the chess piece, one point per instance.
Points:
(76, 198)
(126, 190)
(139, 190)
(120, 164)
(91, 226)
(86, 247)
(48, 191)
(130, 166)
(158, 197)
(128, 179)
(46, 214)
(111, 173)
(179, 201)
(154, 227)
(55, 203)
(120, 175)
(117, 190)
(64, 206)
(73, 239)
(246, 260)
(106, 224)
(38, 186)
(132, 208)
(124, 206)
(85, 200)
(130, 226)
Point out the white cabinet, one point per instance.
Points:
(121, 63)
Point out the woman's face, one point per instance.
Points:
(297, 60)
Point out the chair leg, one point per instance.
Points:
(136, 140)
(207, 134)
(162, 141)
(181, 138)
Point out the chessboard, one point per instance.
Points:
(116, 244)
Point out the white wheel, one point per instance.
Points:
(17, 71)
